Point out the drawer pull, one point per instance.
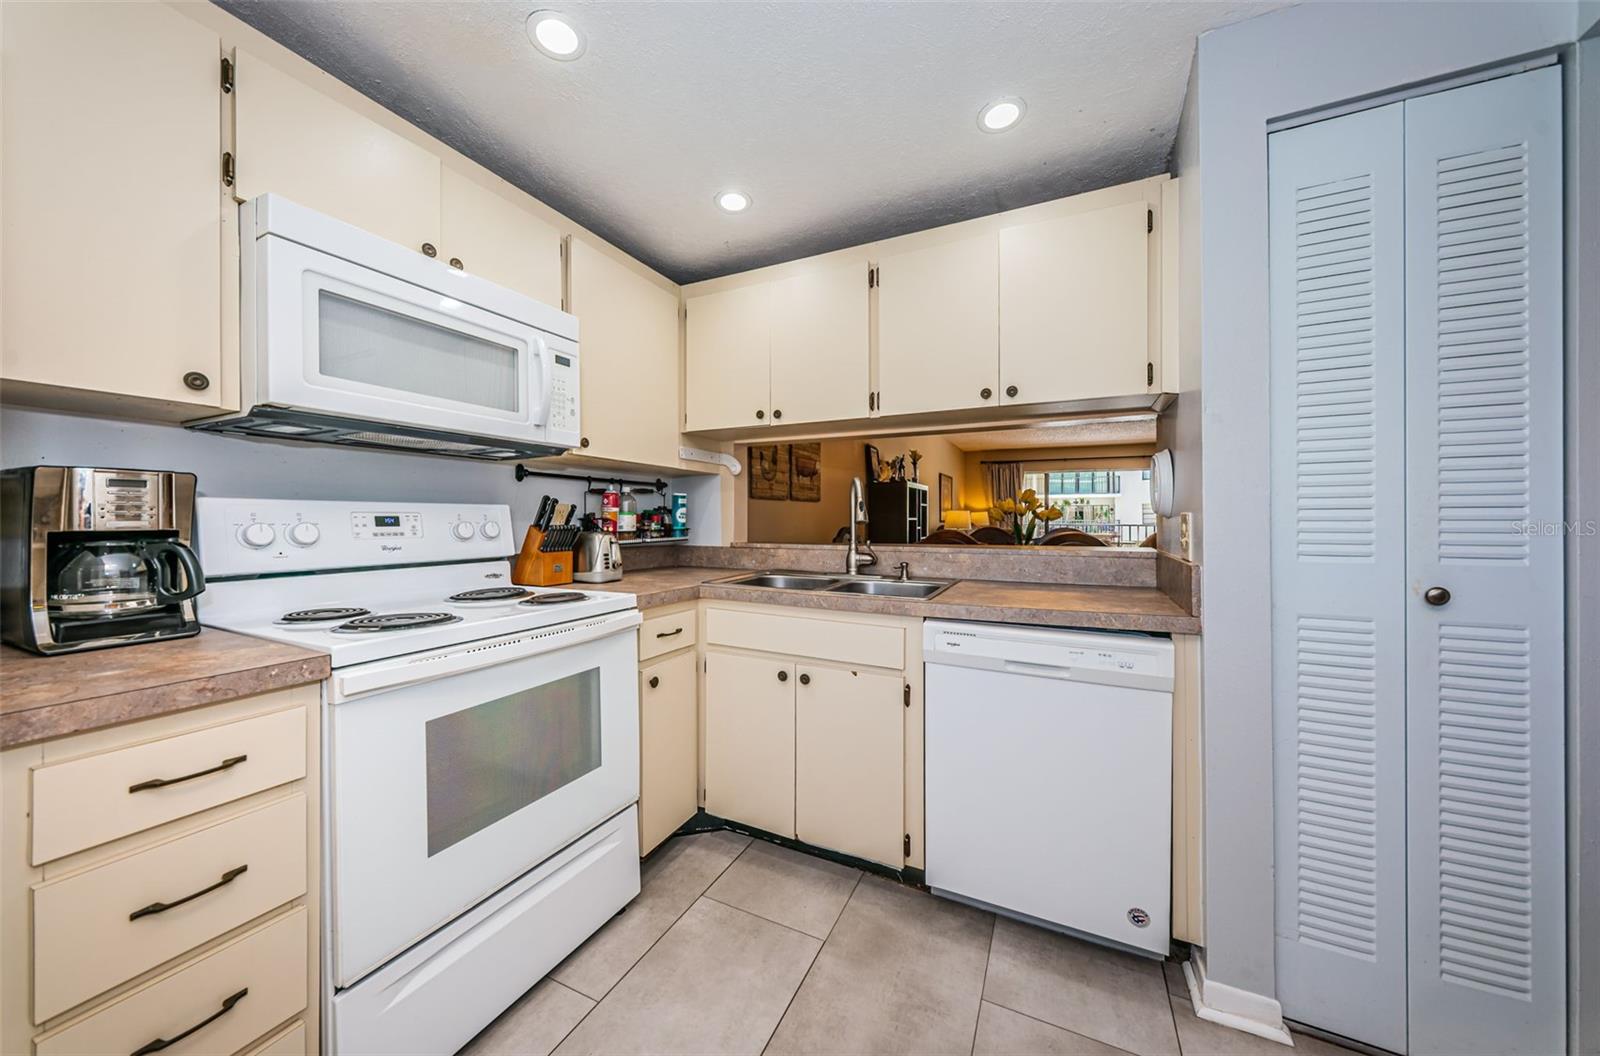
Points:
(669, 634)
(162, 782)
(161, 907)
(162, 1043)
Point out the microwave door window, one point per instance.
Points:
(368, 345)
(489, 761)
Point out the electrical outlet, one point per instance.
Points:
(1186, 536)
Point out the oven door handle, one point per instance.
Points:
(426, 667)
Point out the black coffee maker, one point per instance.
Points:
(91, 558)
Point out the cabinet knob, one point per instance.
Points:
(805, 680)
(783, 676)
(197, 381)
(986, 393)
(776, 414)
(761, 414)
(429, 250)
(455, 262)
(1436, 596)
(655, 680)
(584, 442)
(1011, 390)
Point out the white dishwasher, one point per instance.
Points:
(1049, 776)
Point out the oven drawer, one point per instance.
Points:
(663, 634)
(269, 965)
(84, 802)
(95, 929)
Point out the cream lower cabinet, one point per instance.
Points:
(112, 304)
(849, 760)
(749, 772)
(813, 728)
(669, 727)
(132, 913)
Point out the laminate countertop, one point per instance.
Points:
(1037, 604)
(52, 696)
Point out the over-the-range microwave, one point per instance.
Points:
(347, 338)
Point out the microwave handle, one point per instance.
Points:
(547, 373)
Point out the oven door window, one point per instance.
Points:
(489, 761)
(374, 346)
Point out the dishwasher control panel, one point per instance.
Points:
(1123, 659)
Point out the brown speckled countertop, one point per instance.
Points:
(53, 696)
(1038, 604)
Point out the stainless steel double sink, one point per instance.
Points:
(873, 585)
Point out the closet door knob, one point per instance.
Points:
(1436, 596)
(986, 393)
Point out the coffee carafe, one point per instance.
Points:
(96, 557)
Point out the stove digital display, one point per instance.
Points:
(386, 520)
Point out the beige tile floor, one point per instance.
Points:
(739, 946)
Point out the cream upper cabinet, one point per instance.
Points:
(292, 140)
(749, 740)
(850, 761)
(1074, 306)
(728, 358)
(103, 97)
(939, 327)
(488, 234)
(821, 356)
(628, 353)
(669, 745)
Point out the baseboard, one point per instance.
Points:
(1230, 1006)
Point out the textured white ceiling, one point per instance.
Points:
(845, 122)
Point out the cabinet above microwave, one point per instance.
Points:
(350, 339)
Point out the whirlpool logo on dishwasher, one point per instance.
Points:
(391, 548)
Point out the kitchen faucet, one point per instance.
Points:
(857, 557)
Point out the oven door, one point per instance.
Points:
(452, 773)
(338, 337)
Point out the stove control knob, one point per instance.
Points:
(489, 529)
(257, 535)
(462, 530)
(304, 533)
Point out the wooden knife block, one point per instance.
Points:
(539, 568)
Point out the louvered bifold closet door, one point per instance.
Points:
(1338, 572)
(1484, 471)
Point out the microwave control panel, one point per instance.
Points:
(563, 392)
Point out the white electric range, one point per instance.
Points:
(480, 752)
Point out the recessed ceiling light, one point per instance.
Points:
(552, 34)
(733, 201)
(1000, 115)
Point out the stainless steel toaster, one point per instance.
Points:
(597, 558)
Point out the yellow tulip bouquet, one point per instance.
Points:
(1024, 514)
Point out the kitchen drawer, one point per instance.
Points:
(86, 940)
(84, 802)
(663, 634)
(268, 964)
(291, 1041)
(873, 644)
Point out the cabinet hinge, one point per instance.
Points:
(908, 694)
(872, 278)
(907, 845)
(1149, 221)
(227, 75)
(872, 401)
(1149, 374)
(227, 168)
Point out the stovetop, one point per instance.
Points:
(376, 614)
